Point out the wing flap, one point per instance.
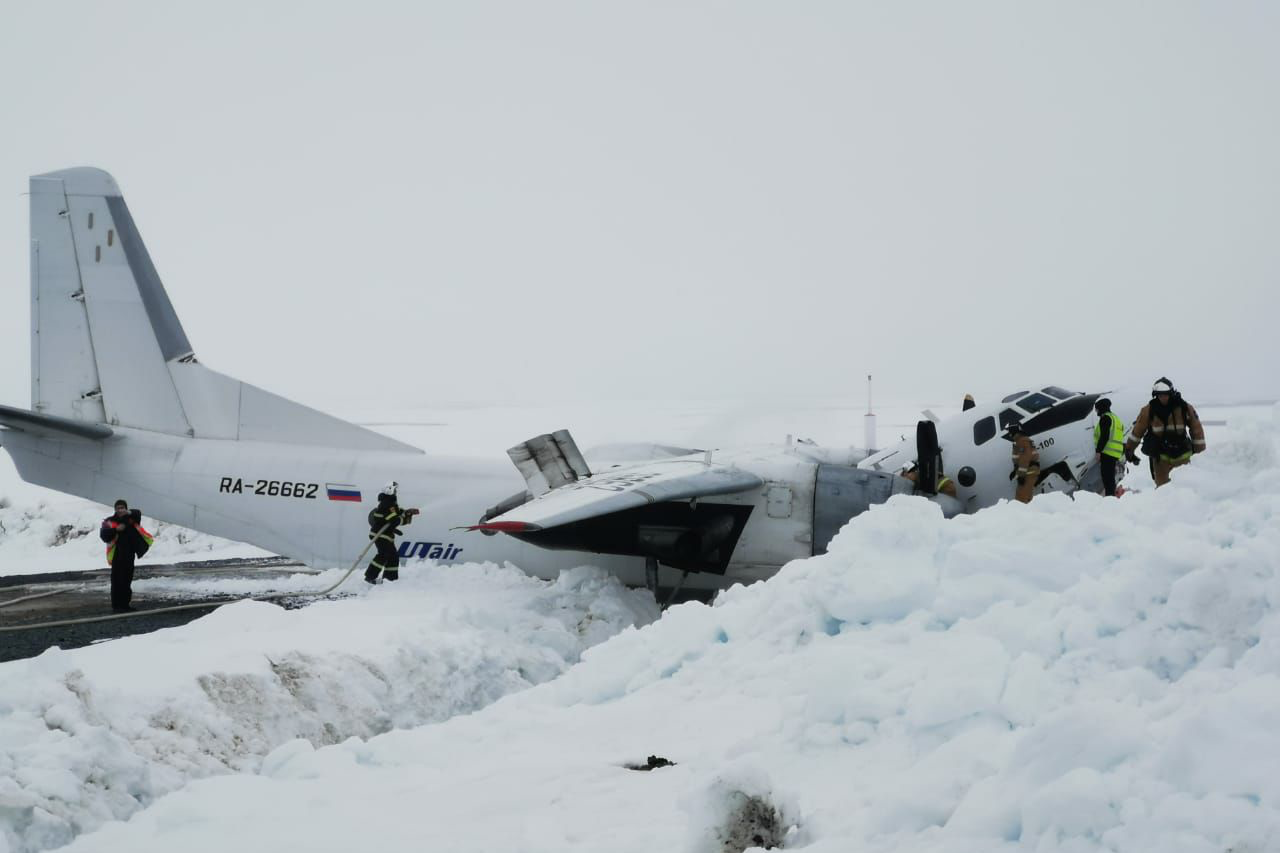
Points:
(51, 426)
(622, 489)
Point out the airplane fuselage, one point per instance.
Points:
(122, 408)
(296, 500)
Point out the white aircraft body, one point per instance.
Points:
(122, 408)
(747, 512)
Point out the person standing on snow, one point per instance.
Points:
(384, 526)
(1169, 430)
(126, 540)
(1026, 462)
(1108, 443)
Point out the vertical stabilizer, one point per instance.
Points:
(107, 346)
(103, 328)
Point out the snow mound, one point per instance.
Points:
(1060, 677)
(40, 534)
(95, 734)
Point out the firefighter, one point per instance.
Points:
(1026, 462)
(1168, 429)
(387, 514)
(126, 540)
(1108, 443)
(946, 486)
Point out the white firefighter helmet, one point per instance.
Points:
(1162, 386)
(391, 488)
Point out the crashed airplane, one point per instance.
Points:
(120, 405)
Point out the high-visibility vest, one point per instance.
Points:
(1115, 443)
(111, 546)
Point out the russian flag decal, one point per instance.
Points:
(340, 492)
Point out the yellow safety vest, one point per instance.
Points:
(1115, 444)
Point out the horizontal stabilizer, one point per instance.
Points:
(622, 489)
(51, 426)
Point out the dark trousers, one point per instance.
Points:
(121, 581)
(1108, 466)
(386, 562)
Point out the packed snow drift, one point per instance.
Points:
(97, 733)
(1070, 675)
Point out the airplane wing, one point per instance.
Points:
(621, 489)
(51, 426)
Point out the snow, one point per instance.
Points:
(98, 733)
(1070, 675)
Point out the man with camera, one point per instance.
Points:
(126, 540)
(1169, 430)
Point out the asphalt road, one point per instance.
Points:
(80, 595)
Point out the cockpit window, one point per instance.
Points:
(1013, 396)
(1078, 408)
(1036, 402)
(1060, 393)
(984, 430)
(1009, 416)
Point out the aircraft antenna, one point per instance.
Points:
(869, 422)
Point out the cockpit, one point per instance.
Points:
(1018, 407)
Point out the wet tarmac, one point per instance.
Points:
(33, 600)
(37, 599)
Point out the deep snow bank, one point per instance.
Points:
(97, 733)
(1064, 676)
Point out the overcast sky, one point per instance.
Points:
(426, 202)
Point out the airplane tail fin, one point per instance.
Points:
(107, 346)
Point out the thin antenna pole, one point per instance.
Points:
(869, 422)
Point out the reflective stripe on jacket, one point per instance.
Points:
(381, 516)
(1024, 453)
(110, 533)
(1176, 424)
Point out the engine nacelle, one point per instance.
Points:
(840, 493)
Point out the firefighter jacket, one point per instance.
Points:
(387, 512)
(1173, 431)
(946, 486)
(1025, 454)
(125, 539)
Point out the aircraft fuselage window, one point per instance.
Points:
(984, 430)
(1013, 396)
(1036, 402)
(1009, 416)
(1060, 393)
